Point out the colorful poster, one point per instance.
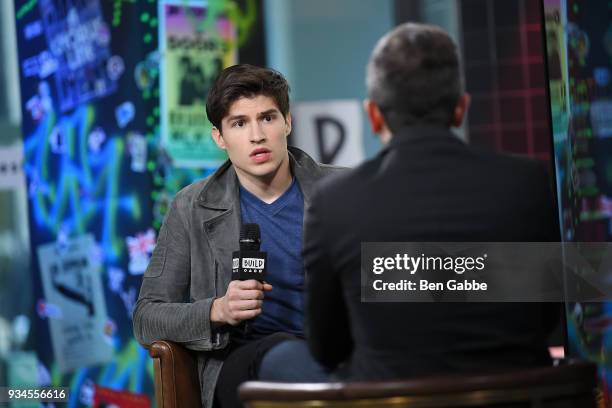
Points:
(195, 47)
(79, 52)
(72, 285)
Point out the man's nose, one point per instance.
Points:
(257, 134)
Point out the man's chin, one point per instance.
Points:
(262, 171)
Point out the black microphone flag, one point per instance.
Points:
(249, 262)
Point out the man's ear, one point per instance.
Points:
(218, 138)
(375, 117)
(288, 123)
(461, 109)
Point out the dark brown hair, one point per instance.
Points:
(248, 81)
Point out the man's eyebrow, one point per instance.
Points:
(267, 112)
(235, 117)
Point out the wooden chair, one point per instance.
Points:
(176, 375)
(567, 386)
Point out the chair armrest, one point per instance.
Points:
(176, 375)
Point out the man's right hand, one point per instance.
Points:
(242, 301)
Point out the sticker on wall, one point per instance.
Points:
(71, 282)
(116, 276)
(146, 72)
(601, 117)
(137, 147)
(95, 140)
(124, 113)
(40, 104)
(140, 249)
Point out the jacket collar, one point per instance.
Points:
(421, 133)
(222, 189)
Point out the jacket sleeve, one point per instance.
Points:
(327, 323)
(164, 310)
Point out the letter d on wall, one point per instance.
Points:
(328, 155)
(330, 131)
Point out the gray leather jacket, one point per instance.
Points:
(191, 265)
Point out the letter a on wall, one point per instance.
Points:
(331, 131)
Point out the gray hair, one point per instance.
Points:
(414, 76)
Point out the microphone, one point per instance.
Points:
(249, 262)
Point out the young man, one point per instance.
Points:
(187, 294)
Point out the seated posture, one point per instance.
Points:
(425, 185)
(187, 295)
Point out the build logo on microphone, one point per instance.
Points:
(249, 265)
(253, 264)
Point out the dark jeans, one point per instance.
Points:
(242, 364)
(291, 361)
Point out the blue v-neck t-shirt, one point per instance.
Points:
(281, 224)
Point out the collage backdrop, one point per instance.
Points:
(103, 159)
(579, 55)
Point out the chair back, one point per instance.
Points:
(567, 386)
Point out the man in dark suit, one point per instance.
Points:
(425, 185)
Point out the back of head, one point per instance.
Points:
(414, 76)
(245, 81)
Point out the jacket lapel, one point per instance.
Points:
(220, 199)
(306, 171)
